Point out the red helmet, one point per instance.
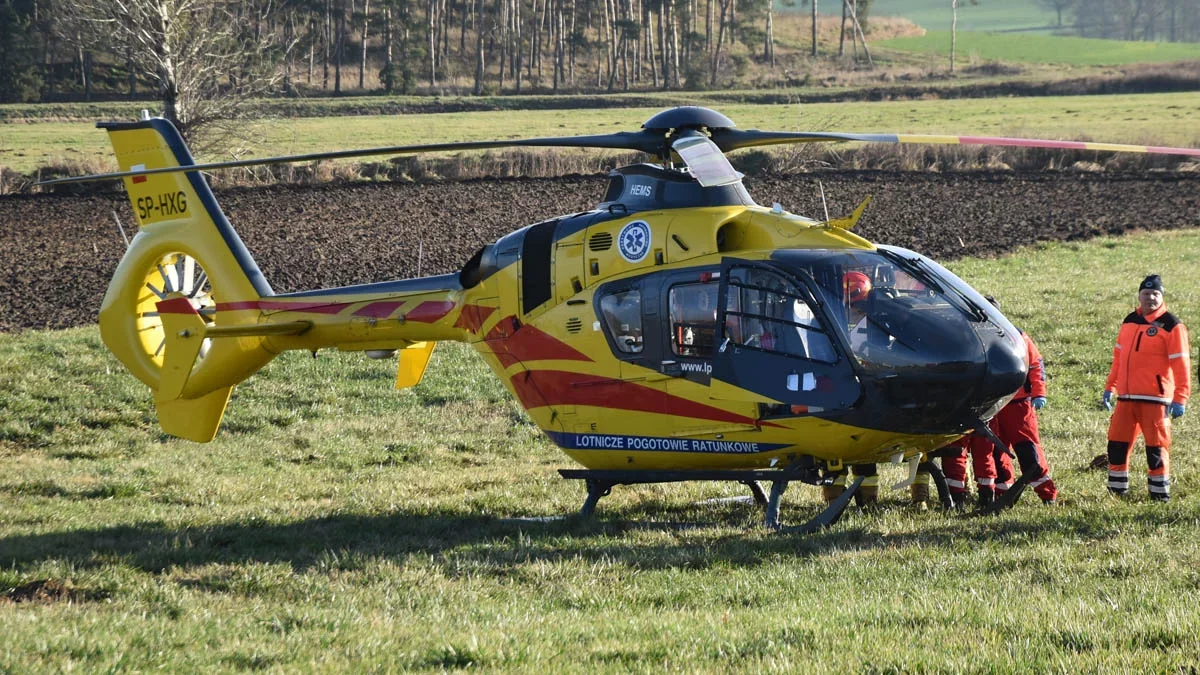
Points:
(856, 285)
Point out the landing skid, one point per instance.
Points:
(600, 483)
(1008, 499)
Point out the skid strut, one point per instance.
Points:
(829, 516)
(600, 483)
(595, 489)
(943, 489)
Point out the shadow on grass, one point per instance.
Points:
(359, 541)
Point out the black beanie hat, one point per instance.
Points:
(1152, 282)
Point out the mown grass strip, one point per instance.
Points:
(1160, 119)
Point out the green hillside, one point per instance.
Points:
(990, 15)
(1045, 48)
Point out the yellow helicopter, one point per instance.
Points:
(677, 331)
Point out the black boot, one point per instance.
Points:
(986, 498)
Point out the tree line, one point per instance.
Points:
(200, 57)
(1141, 20)
(50, 49)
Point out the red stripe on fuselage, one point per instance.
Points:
(426, 312)
(314, 307)
(556, 387)
(429, 311)
(473, 317)
(529, 344)
(379, 310)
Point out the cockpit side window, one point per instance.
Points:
(693, 309)
(766, 311)
(622, 314)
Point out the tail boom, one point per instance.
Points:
(190, 315)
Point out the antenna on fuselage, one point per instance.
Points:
(824, 204)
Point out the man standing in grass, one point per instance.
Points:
(1151, 379)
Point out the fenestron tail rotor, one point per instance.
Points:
(702, 134)
(175, 275)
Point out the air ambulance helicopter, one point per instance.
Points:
(677, 331)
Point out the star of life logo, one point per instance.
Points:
(634, 241)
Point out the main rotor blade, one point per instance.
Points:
(644, 141)
(732, 139)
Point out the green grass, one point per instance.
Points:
(338, 525)
(1072, 51)
(989, 15)
(1163, 119)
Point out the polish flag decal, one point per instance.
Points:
(138, 167)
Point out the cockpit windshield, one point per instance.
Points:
(894, 308)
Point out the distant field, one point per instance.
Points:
(1074, 51)
(1161, 119)
(989, 15)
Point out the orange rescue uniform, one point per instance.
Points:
(1016, 425)
(1151, 368)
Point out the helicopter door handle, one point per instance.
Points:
(724, 345)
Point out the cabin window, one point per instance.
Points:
(765, 311)
(622, 314)
(693, 319)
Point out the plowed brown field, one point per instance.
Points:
(58, 252)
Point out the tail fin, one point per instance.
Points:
(159, 316)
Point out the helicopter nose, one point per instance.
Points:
(954, 395)
(1006, 370)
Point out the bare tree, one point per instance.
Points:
(769, 38)
(954, 4)
(848, 6)
(205, 62)
(362, 64)
(814, 28)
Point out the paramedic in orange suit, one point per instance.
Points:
(1150, 379)
(1016, 426)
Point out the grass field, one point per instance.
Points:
(986, 16)
(1161, 119)
(338, 525)
(975, 47)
